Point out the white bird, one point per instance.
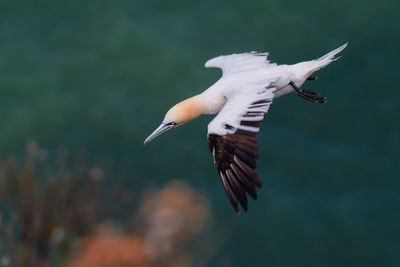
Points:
(241, 97)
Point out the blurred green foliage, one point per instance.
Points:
(99, 75)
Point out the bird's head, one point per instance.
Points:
(179, 114)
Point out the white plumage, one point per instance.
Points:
(241, 97)
(244, 62)
(238, 104)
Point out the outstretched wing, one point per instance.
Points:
(236, 63)
(232, 139)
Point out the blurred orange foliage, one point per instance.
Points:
(169, 221)
(60, 215)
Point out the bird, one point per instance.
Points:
(240, 98)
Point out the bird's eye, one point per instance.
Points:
(172, 123)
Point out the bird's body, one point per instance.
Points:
(241, 97)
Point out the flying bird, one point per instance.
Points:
(241, 98)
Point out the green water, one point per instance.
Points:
(99, 75)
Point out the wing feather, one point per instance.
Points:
(235, 63)
(232, 138)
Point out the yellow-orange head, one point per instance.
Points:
(182, 112)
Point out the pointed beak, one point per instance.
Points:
(160, 130)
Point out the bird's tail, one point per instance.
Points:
(328, 58)
(314, 65)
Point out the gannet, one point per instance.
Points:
(241, 98)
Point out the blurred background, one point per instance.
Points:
(82, 84)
